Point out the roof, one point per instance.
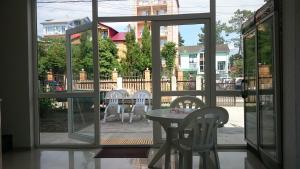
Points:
(196, 49)
(119, 36)
(75, 36)
(64, 20)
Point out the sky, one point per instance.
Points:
(54, 10)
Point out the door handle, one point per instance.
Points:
(244, 91)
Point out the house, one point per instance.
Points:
(58, 27)
(18, 91)
(192, 59)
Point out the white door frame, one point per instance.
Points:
(211, 16)
(156, 68)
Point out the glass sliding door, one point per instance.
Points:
(250, 94)
(80, 80)
(266, 83)
(180, 60)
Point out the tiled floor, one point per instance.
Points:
(83, 159)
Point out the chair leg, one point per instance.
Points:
(180, 160)
(217, 161)
(204, 159)
(201, 160)
(105, 116)
(188, 160)
(130, 117)
(122, 115)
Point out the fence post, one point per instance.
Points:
(82, 75)
(173, 83)
(198, 82)
(180, 79)
(119, 83)
(147, 80)
(114, 75)
(50, 75)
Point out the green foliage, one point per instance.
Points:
(51, 55)
(146, 48)
(235, 25)
(133, 62)
(108, 58)
(220, 28)
(168, 52)
(236, 68)
(46, 103)
(265, 42)
(250, 55)
(180, 40)
(82, 55)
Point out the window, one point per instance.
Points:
(104, 34)
(145, 13)
(162, 42)
(193, 58)
(221, 65)
(201, 66)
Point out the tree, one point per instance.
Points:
(51, 55)
(220, 28)
(236, 66)
(146, 48)
(168, 52)
(180, 40)
(108, 58)
(82, 55)
(235, 25)
(133, 62)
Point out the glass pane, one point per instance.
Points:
(182, 57)
(125, 66)
(151, 7)
(233, 131)
(82, 61)
(66, 120)
(266, 87)
(53, 19)
(250, 71)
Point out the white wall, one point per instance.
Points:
(15, 68)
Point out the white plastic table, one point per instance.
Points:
(166, 117)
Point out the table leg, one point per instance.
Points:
(159, 154)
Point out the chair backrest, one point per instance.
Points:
(113, 96)
(141, 96)
(202, 124)
(187, 102)
(124, 92)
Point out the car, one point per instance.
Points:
(238, 83)
(55, 86)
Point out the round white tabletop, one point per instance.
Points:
(173, 115)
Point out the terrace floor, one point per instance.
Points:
(84, 159)
(140, 131)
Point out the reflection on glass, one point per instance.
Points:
(66, 120)
(266, 88)
(82, 61)
(250, 70)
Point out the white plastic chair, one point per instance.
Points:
(125, 94)
(198, 133)
(113, 106)
(187, 102)
(140, 107)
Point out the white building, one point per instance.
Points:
(58, 27)
(192, 59)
